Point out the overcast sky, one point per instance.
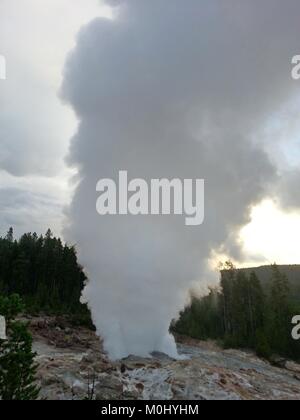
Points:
(36, 128)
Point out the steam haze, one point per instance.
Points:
(174, 89)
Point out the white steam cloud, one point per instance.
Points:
(175, 89)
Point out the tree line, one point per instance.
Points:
(242, 314)
(43, 271)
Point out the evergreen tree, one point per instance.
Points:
(279, 312)
(10, 235)
(228, 273)
(44, 271)
(17, 366)
(10, 307)
(243, 314)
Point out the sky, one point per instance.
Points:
(36, 128)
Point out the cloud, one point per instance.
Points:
(35, 127)
(35, 37)
(32, 203)
(28, 212)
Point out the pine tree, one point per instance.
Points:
(44, 271)
(10, 307)
(280, 317)
(228, 274)
(17, 366)
(244, 314)
(10, 235)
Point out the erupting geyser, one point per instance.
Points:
(170, 89)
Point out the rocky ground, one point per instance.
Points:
(72, 365)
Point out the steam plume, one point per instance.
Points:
(174, 89)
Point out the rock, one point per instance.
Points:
(109, 388)
(293, 367)
(131, 395)
(123, 368)
(88, 359)
(207, 373)
(48, 380)
(140, 387)
(139, 365)
(278, 361)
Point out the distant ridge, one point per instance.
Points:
(292, 272)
